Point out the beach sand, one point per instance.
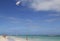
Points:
(11, 38)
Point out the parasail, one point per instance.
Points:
(18, 2)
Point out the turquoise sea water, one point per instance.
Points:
(41, 38)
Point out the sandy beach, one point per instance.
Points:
(11, 38)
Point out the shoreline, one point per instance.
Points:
(11, 38)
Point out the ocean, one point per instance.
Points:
(40, 38)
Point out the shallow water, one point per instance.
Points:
(41, 38)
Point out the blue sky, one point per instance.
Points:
(33, 17)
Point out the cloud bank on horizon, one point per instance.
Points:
(44, 5)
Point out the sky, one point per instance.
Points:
(30, 17)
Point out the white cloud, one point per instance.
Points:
(45, 5)
(15, 20)
(54, 14)
(50, 20)
(11, 19)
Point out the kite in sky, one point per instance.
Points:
(18, 2)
